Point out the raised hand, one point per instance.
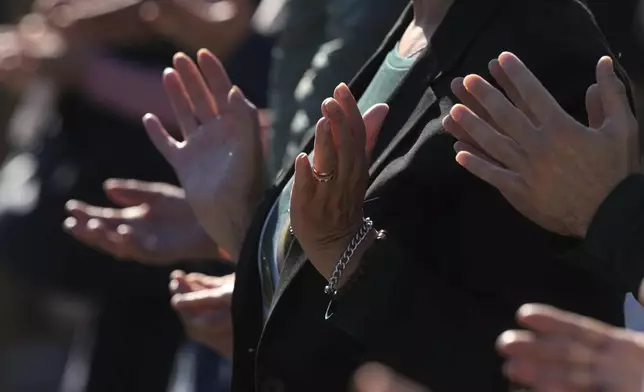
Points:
(550, 167)
(32, 48)
(203, 303)
(156, 225)
(219, 162)
(567, 352)
(328, 196)
(91, 22)
(217, 25)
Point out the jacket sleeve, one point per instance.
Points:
(615, 239)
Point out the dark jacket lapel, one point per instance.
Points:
(450, 42)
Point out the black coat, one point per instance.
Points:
(458, 260)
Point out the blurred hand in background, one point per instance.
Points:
(204, 303)
(155, 226)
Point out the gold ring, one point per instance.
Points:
(322, 177)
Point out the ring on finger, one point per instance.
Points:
(323, 176)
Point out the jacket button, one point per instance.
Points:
(272, 385)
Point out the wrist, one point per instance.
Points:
(337, 263)
(357, 261)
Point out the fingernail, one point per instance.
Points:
(176, 299)
(326, 126)
(343, 89)
(323, 123)
(123, 230)
(446, 120)
(111, 183)
(203, 51)
(506, 337)
(69, 223)
(235, 90)
(492, 63)
(455, 113)
(93, 224)
(71, 205)
(178, 56)
(168, 71)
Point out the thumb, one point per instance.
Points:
(373, 120)
(129, 193)
(594, 107)
(159, 136)
(612, 90)
(238, 102)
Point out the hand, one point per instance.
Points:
(377, 378)
(219, 163)
(91, 22)
(327, 215)
(567, 352)
(31, 48)
(551, 168)
(157, 226)
(204, 303)
(193, 24)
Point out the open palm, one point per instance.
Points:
(219, 161)
(156, 225)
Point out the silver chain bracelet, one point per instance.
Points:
(331, 287)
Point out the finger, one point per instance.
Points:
(543, 376)
(552, 321)
(82, 210)
(524, 344)
(508, 118)
(521, 371)
(180, 100)
(217, 79)
(498, 146)
(93, 232)
(458, 132)
(304, 186)
(467, 99)
(238, 103)
(537, 98)
(374, 119)
(198, 93)
(204, 281)
(325, 159)
(510, 90)
(178, 283)
(613, 91)
(594, 107)
(504, 180)
(463, 146)
(211, 299)
(129, 193)
(347, 102)
(163, 142)
(343, 139)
